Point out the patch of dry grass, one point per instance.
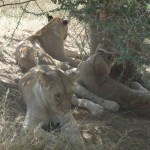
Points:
(113, 132)
(12, 112)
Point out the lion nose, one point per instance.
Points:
(65, 22)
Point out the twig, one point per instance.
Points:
(19, 21)
(43, 13)
(39, 7)
(19, 3)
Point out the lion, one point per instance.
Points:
(94, 76)
(47, 93)
(85, 99)
(67, 52)
(46, 46)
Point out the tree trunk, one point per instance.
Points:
(96, 30)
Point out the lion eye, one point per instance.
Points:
(70, 94)
(57, 96)
(109, 57)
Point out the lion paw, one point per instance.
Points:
(111, 105)
(96, 110)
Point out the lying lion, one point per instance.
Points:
(86, 99)
(47, 93)
(94, 76)
(46, 46)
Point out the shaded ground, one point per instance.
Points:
(124, 131)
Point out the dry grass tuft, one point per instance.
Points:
(113, 132)
(11, 118)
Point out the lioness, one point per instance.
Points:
(34, 50)
(47, 93)
(94, 75)
(94, 104)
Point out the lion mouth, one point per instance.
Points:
(51, 126)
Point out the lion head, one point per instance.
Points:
(57, 89)
(99, 64)
(50, 88)
(56, 25)
(104, 59)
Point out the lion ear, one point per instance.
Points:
(112, 55)
(99, 49)
(45, 79)
(49, 17)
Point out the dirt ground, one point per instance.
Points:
(121, 131)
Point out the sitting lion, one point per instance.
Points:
(94, 75)
(46, 46)
(47, 93)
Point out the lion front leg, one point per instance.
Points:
(111, 105)
(85, 93)
(94, 109)
(31, 120)
(28, 122)
(81, 91)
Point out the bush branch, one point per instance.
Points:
(19, 20)
(19, 3)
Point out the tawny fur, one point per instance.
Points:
(49, 40)
(94, 75)
(47, 93)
